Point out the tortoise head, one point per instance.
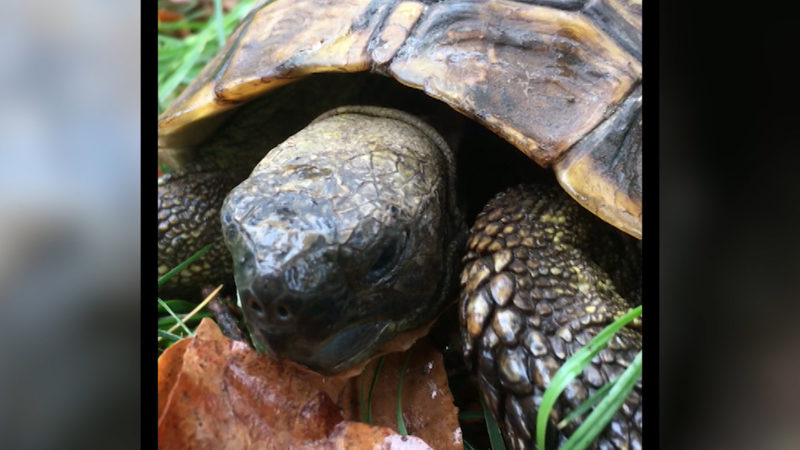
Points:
(342, 237)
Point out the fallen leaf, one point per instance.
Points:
(169, 365)
(165, 15)
(348, 435)
(427, 403)
(226, 395)
(218, 393)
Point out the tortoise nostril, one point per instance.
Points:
(282, 312)
(256, 307)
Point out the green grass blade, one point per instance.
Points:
(189, 59)
(218, 22)
(599, 418)
(164, 168)
(467, 445)
(573, 367)
(365, 401)
(362, 399)
(163, 278)
(398, 409)
(169, 336)
(177, 306)
(236, 14)
(197, 14)
(587, 404)
(372, 388)
(167, 321)
(174, 316)
(470, 415)
(168, 42)
(184, 24)
(180, 60)
(495, 438)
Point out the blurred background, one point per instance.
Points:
(70, 176)
(728, 210)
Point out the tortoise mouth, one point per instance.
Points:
(338, 352)
(308, 342)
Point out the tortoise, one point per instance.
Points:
(351, 231)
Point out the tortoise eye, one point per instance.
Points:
(387, 259)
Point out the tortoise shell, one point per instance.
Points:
(558, 79)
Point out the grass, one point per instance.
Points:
(398, 407)
(179, 315)
(163, 278)
(606, 404)
(180, 59)
(366, 401)
(495, 436)
(185, 45)
(603, 403)
(605, 409)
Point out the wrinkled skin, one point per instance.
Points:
(345, 235)
(190, 197)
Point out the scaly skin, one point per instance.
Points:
(541, 277)
(345, 235)
(348, 233)
(190, 197)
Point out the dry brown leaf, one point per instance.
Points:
(166, 15)
(226, 395)
(218, 393)
(349, 435)
(169, 365)
(427, 403)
